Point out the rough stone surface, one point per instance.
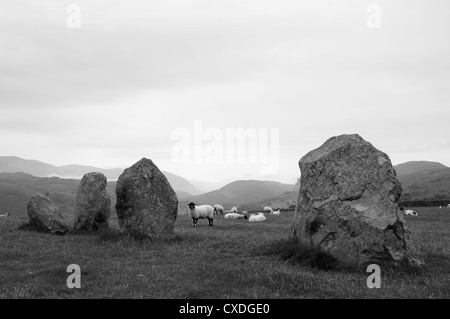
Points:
(44, 214)
(348, 203)
(146, 204)
(93, 204)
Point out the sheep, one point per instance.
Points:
(5, 215)
(448, 205)
(257, 218)
(234, 210)
(218, 209)
(268, 209)
(275, 212)
(410, 212)
(235, 216)
(202, 212)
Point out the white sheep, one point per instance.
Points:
(234, 210)
(201, 212)
(275, 212)
(257, 218)
(235, 216)
(5, 215)
(410, 212)
(218, 209)
(268, 209)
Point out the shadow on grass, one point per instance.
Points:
(297, 254)
(33, 228)
(115, 235)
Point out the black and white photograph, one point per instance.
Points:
(224, 155)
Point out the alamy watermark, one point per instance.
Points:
(374, 280)
(259, 146)
(374, 19)
(74, 19)
(74, 280)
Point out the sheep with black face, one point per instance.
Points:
(197, 212)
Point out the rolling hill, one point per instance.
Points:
(424, 180)
(240, 192)
(417, 167)
(13, 164)
(17, 188)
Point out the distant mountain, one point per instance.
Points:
(240, 192)
(424, 180)
(209, 186)
(12, 164)
(181, 185)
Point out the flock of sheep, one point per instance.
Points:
(197, 212)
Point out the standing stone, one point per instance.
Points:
(348, 203)
(93, 204)
(147, 205)
(44, 215)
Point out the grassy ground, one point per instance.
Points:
(236, 259)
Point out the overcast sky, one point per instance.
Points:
(137, 73)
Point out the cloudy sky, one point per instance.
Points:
(137, 77)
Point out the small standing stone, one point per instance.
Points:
(93, 204)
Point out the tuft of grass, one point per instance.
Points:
(297, 254)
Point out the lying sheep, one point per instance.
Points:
(5, 215)
(410, 212)
(234, 210)
(268, 209)
(235, 216)
(257, 218)
(218, 209)
(275, 212)
(201, 212)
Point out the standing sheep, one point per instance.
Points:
(268, 210)
(201, 212)
(218, 209)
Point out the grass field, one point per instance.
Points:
(236, 259)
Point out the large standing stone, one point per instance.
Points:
(146, 203)
(93, 204)
(348, 202)
(44, 214)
